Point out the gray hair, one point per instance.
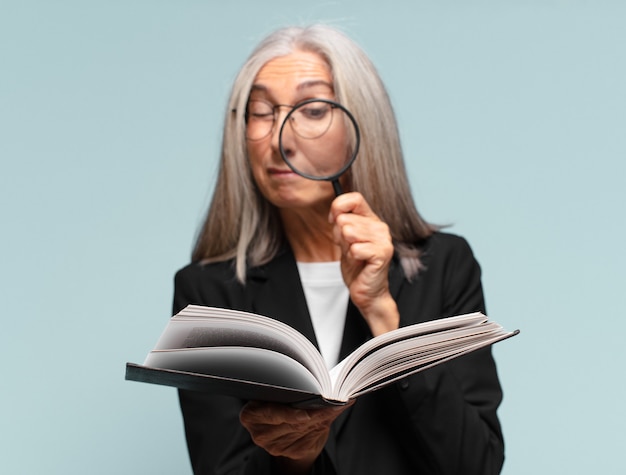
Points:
(243, 225)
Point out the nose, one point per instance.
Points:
(287, 132)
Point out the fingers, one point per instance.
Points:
(255, 412)
(269, 413)
(362, 238)
(286, 431)
(358, 230)
(349, 203)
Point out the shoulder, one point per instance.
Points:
(451, 270)
(197, 271)
(213, 284)
(441, 247)
(448, 261)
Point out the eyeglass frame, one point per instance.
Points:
(276, 107)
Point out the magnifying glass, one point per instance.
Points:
(319, 140)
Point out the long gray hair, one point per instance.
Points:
(243, 225)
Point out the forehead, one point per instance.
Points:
(295, 70)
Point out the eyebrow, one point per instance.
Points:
(299, 87)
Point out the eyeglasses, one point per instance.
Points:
(309, 119)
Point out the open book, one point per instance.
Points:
(258, 358)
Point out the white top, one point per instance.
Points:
(327, 299)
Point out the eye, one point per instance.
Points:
(260, 110)
(315, 111)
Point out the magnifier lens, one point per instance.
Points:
(319, 139)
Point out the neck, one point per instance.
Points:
(310, 235)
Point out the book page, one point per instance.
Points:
(198, 326)
(400, 356)
(409, 366)
(340, 371)
(239, 363)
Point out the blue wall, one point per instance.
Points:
(513, 120)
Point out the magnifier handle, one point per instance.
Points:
(337, 187)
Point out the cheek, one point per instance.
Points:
(335, 152)
(252, 148)
(254, 155)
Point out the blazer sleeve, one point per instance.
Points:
(451, 408)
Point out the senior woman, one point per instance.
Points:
(340, 270)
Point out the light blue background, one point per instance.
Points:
(514, 127)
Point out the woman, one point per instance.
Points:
(340, 270)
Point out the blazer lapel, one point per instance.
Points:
(275, 291)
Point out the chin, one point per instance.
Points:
(290, 198)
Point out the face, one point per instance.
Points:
(289, 80)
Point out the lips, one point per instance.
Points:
(280, 171)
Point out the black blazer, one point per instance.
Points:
(442, 420)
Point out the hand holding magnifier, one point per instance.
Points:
(325, 139)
